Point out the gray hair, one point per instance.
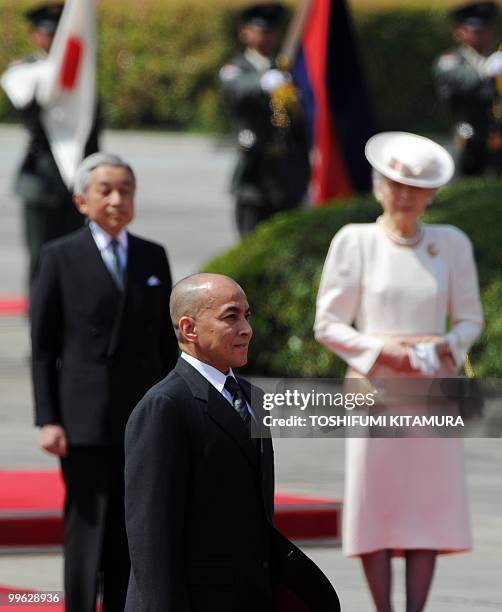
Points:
(96, 160)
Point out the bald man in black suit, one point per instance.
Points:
(199, 487)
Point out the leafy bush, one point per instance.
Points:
(158, 61)
(398, 49)
(280, 265)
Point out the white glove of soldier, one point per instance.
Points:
(493, 65)
(22, 80)
(272, 79)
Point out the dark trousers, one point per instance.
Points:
(479, 158)
(473, 157)
(45, 223)
(281, 188)
(248, 215)
(95, 541)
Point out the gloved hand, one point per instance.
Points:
(423, 357)
(22, 80)
(272, 79)
(493, 64)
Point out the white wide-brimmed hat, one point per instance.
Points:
(410, 159)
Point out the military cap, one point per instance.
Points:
(45, 16)
(475, 14)
(264, 16)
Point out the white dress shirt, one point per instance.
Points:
(212, 375)
(217, 379)
(103, 241)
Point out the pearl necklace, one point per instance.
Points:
(401, 240)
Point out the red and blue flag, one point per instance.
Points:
(327, 71)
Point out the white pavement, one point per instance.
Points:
(183, 204)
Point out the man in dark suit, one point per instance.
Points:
(199, 487)
(48, 211)
(468, 80)
(101, 336)
(273, 170)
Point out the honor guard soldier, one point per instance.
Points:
(48, 211)
(273, 171)
(469, 81)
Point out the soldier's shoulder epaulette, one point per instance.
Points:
(230, 71)
(449, 60)
(235, 67)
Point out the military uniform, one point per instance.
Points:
(273, 172)
(476, 104)
(468, 81)
(48, 209)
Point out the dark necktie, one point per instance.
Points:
(116, 270)
(238, 399)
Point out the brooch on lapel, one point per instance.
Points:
(153, 281)
(432, 249)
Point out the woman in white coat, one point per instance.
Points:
(386, 287)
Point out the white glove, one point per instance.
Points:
(423, 357)
(272, 79)
(21, 81)
(493, 64)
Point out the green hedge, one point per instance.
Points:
(158, 62)
(280, 265)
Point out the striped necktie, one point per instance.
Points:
(238, 399)
(116, 268)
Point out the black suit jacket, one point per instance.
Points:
(199, 509)
(96, 350)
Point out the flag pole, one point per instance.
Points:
(293, 35)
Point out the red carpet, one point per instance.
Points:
(13, 306)
(30, 508)
(308, 518)
(31, 505)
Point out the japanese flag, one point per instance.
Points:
(67, 95)
(63, 84)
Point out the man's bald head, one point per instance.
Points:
(210, 315)
(191, 295)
